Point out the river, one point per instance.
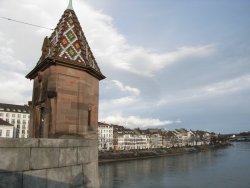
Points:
(221, 168)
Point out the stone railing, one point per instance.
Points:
(31, 163)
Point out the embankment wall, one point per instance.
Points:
(44, 163)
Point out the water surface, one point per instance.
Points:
(223, 168)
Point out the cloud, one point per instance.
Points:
(14, 85)
(8, 62)
(135, 121)
(113, 51)
(141, 81)
(122, 96)
(121, 102)
(214, 90)
(144, 62)
(122, 87)
(228, 86)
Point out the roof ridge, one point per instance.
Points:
(5, 123)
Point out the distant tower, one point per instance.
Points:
(66, 84)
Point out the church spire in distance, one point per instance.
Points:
(70, 6)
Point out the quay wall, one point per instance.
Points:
(112, 156)
(47, 163)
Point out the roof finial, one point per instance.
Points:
(70, 6)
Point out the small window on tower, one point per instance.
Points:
(89, 118)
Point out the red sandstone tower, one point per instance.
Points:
(66, 84)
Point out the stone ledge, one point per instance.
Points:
(46, 143)
(48, 163)
(14, 159)
(64, 143)
(18, 143)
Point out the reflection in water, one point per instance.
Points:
(227, 168)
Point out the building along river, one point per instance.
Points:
(221, 168)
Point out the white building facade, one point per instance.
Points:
(18, 116)
(156, 141)
(105, 136)
(6, 129)
(129, 141)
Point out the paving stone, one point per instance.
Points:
(68, 156)
(14, 159)
(44, 158)
(10, 180)
(91, 176)
(77, 176)
(87, 154)
(34, 179)
(59, 177)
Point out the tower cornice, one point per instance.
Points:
(57, 61)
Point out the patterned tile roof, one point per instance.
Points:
(68, 44)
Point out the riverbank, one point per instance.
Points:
(111, 156)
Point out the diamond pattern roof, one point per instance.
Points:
(68, 45)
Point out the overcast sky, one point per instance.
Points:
(168, 63)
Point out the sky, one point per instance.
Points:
(169, 64)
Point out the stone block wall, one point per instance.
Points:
(65, 102)
(48, 163)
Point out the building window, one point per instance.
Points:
(7, 115)
(23, 131)
(7, 120)
(12, 121)
(17, 133)
(24, 116)
(13, 115)
(8, 133)
(89, 118)
(23, 126)
(1, 114)
(0, 132)
(19, 115)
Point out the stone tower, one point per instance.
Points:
(66, 84)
